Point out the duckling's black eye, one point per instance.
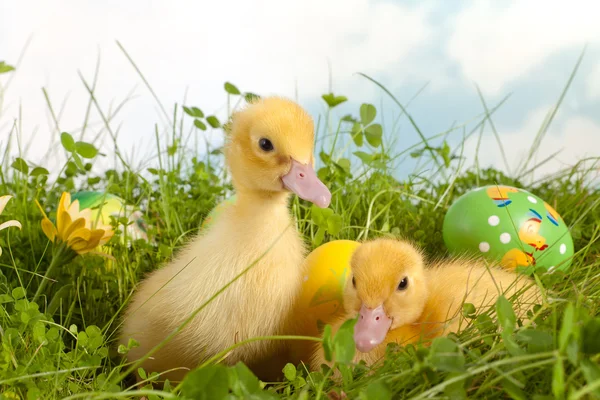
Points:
(354, 282)
(265, 144)
(403, 284)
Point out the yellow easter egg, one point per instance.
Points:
(326, 270)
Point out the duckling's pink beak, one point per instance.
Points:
(302, 180)
(371, 328)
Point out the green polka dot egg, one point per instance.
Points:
(509, 225)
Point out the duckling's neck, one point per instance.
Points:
(264, 205)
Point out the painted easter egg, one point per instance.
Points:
(326, 270)
(104, 205)
(215, 212)
(509, 225)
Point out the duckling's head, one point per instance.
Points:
(270, 150)
(387, 289)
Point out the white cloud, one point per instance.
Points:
(576, 137)
(265, 46)
(496, 44)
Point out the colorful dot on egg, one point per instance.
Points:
(563, 248)
(494, 220)
(505, 237)
(484, 247)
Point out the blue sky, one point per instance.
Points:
(526, 48)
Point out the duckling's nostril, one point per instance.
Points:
(377, 319)
(301, 175)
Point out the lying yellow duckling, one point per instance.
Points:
(398, 299)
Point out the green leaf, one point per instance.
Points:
(357, 134)
(86, 150)
(319, 236)
(251, 97)
(572, 351)
(326, 158)
(346, 373)
(335, 223)
(207, 383)
(591, 372)
(373, 133)
(320, 215)
(376, 390)
(25, 317)
(289, 371)
(18, 293)
(39, 171)
(34, 393)
(93, 331)
(513, 390)
(591, 333)
(365, 157)
(78, 161)
(506, 315)
(93, 181)
(333, 101)
(511, 345)
(455, 390)
(537, 341)
(344, 347)
(446, 356)
(4, 67)
(246, 383)
(567, 327)
(416, 153)
(83, 339)
(213, 121)
(348, 118)
(445, 153)
(6, 298)
(367, 113)
(468, 309)
(172, 150)
(20, 165)
(231, 89)
(199, 124)
(327, 343)
(345, 164)
(193, 112)
(68, 142)
(485, 324)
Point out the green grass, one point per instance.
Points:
(63, 345)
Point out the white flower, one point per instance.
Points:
(3, 201)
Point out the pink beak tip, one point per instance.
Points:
(302, 180)
(371, 328)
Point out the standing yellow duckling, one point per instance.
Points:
(398, 299)
(269, 153)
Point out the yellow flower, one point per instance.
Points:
(3, 201)
(75, 228)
